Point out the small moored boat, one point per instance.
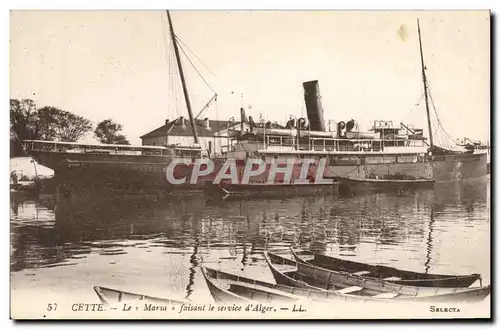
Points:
(387, 273)
(231, 288)
(226, 192)
(389, 181)
(383, 183)
(347, 286)
(361, 135)
(109, 296)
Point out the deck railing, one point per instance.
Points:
(112, 149)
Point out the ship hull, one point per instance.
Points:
(419, 169)
(103, 173)
(458, 167)
(147, 174)
(448, 168)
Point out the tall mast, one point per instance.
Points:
(183, 80)
(425, 88)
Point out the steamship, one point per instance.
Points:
(385, 151)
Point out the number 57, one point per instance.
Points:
(51, 307)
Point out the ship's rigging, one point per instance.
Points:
(439, 138)
(424, 78)
(173, 47)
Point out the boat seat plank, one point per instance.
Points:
(387, 295)
(263, 289)
(286, 268)
(392, 278)
(349, 290)
(361, 273)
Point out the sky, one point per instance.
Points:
(118, 65)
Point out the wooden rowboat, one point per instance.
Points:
(219, 289)
(388, 273)
(109, 296)
(306, 276)
(231, 288)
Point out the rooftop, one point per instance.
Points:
(182, 127)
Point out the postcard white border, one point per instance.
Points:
(193, 4)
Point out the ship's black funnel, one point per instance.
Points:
(314, 108)
(243, 119)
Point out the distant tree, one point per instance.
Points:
(108, 132)
(23, 114)
(47, 123)
(22, 124)
(57, 124)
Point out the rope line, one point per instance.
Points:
(168, 60)
(192, 52)
(174, 100)
(439, 121)
(416, 105)
(174, 90)
(198, 72)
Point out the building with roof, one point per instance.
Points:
(212, 134)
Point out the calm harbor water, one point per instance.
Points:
(156, 247)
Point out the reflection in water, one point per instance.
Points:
(192, 271)
(165, 241)
(429, 241)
